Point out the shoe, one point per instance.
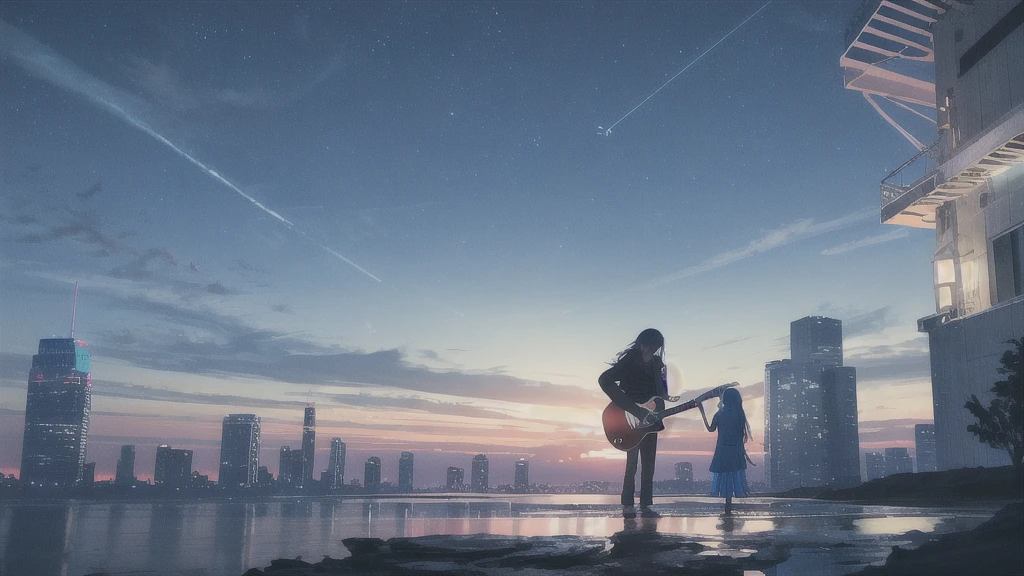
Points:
(647, 512)
(628, 512)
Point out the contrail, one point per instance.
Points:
(608, 131)
(42, 61)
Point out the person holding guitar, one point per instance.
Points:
(636, 376)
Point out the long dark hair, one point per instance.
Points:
(650, 338)
(732, 403)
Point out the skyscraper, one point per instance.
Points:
(874, 465)
(173, 467)
(842, 440)
(239, 451)
(522, 478)
(816, 340)
(811, 432)
(897, 461)
(456, 479)
(308, 445)
(371, 473)
(88, 474)
(57, 414)
(480, 470)
(405, 469)
(284, 466)
(336, 466)
(924, 440)
(126, 466)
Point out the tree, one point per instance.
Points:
(1000, 424)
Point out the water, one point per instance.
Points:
(227, 538)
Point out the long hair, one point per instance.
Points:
(732, 403)
(650, 338)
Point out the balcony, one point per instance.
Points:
(911, 193)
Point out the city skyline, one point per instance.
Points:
(479, 196)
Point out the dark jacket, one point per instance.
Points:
(626, 383)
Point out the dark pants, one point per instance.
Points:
(645, 452)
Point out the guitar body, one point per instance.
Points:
(625, 431)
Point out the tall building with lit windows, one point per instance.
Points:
(479, 474)
(239, 451)
(371, 474)
(811, 433)
(958, 66)
(405, 471)
(522, 477)
(57, 409)
(308, 444)
(336, 464)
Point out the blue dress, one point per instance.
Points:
(729, 465)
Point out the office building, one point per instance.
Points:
(959, 63)
(405, 469)
(684, 472)
(239, 451)
(456, 479)
(125, 475)
(308, 444)
(479, 480)
(57, 405)
(816, 340)
(811, 431)
(897, 461)
(842, 440)
(924, 446)
(290, 467)
(522, 477)
(264, 477)
(173, 467)
(336, 464)
(371, 473)
(89, 474)
(874, 465)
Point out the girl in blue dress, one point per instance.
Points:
(729, 466)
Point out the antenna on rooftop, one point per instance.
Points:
(74, 308)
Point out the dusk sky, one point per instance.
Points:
(406, 213)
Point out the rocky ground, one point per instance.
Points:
(640, 552)
(995, 548)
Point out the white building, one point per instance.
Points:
(960, 65)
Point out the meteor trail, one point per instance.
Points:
(42, 61)
(608, 131)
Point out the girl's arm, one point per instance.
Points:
(714, 422)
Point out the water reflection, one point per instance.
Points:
(230, 537)
(165, 527)
(38, 541)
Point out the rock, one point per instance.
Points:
(629, 544)
(250, 572)
(994, 547)
(553, 552)
(457, 548)
(361, 546)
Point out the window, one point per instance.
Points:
(1009, 269)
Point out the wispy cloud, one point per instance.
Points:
(774, 239)
(728, 342)
(784, 236)
(865, 242)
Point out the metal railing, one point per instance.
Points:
(910, 175)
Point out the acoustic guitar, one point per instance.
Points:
(625, 431)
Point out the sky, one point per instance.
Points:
(406, 213)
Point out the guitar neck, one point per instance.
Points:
(691, 404)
